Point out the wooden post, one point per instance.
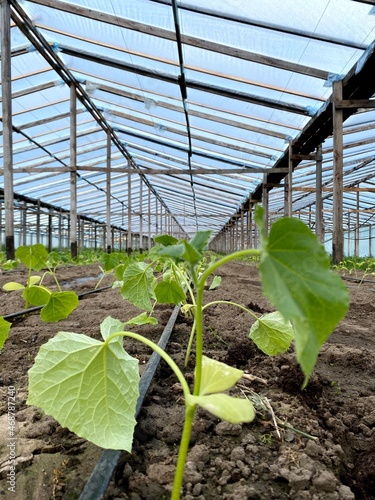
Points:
(50, 231)
(318, 195)
(140, 214)
(1, 226)
(242, 228)
(369, 241)
(38, 221)
(235, 229)
(250, 227)
(348, 234)
(24, 223)
(338, 231)
(356, 242)
(288, 186)
(156, 215)
(108, 194)
(73, 172)
(265, 203)
(60, 231)
(255, 245)
(129, 239)
(149, 219)
(6, 92)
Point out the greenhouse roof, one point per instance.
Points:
(202, 99)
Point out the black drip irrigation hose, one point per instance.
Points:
(357, 280)
(38, 308)
(103, 470)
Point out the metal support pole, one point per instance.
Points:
(338, 231)
(6, 93)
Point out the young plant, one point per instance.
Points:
(4, 331)
(91, 386)
(56, 305)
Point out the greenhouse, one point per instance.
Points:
(187, 243)
(132, 118)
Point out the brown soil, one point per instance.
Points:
(233, 462)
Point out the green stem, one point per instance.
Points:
(232, 304)
(56, 281)
(182, 277)
(199, 310)
(189, 409)
(190, 343)
(161, 353)
(184, 447)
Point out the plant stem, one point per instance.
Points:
(184, 447)
(231, 304)
(189, 409)
(56, 280)
(199, 310)
(161, 353)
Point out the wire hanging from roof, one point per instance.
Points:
(183, 89)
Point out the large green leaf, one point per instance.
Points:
(191, 254)
(175, 252)
(110, 261)
(59, 306)
(296, 278)
(233, 410)
(138, 285)
(217, 376)
(110, 326)
(200, 240)
(165, 240)
(119, 271)
(88, 386)
(272, 333)
(33, 256)
(36, 295)
(4, 330)
(169, 292)
(142, 319)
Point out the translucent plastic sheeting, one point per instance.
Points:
(256, 73)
